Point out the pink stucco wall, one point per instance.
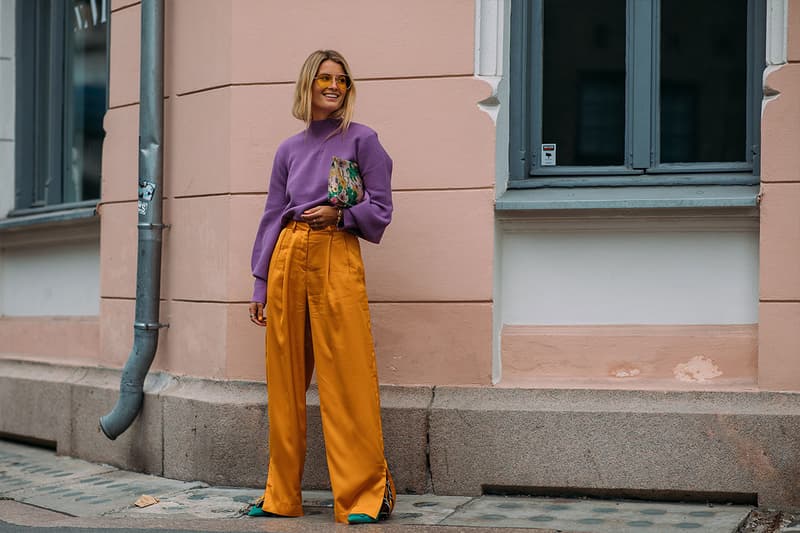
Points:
(230, 68)
(779, 308)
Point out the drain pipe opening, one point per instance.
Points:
(150, 226)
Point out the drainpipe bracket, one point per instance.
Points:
(149, 325)
(147, 225)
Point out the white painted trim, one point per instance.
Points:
(489, 37)
(777, 23)
(489, 22)
(492, 46)
(497, 310)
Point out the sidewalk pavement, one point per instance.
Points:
(41, 492)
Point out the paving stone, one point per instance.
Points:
(597, 516)
(426, 508)
(409, 508)
(11, 452)
(39, 477)
(96, 493)
(230, 503)
(199, 503)
(318, 498)
(24, 467)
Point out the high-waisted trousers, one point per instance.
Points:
(316, 294)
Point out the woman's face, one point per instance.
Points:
(327, 97)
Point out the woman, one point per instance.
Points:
(310, 294)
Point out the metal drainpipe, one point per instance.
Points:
(148, 267)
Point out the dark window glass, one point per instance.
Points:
(703, 81)
(62, 86)
(85, 100)
(583, 92)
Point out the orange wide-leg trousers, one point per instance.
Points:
(316, 294)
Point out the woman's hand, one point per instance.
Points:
(257, 315)
(321, 216)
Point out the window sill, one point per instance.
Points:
(52, 227)
(48, 218)
(665, 197)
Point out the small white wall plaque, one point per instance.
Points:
(548, 155)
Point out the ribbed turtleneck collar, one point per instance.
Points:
(323, 127)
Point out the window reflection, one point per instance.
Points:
(703, 81)
(583, 107)
(85, 101)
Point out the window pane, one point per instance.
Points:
(703, 80)
(583, 97)
(85, 99)
(46, 158)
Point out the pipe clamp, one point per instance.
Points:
(149, 325)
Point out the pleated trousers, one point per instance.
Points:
(316, 294)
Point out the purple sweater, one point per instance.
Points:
(299, 181)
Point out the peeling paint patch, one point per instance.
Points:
(626, 372)
(698, 369)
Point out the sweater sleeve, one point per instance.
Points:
(269, 228)
(369, 218)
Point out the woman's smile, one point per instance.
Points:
(328, 98)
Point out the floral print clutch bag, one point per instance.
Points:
(345, 187)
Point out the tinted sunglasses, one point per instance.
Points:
(326, 80)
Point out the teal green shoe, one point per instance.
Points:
(256, 510)
(358, 518)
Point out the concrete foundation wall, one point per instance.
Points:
(689, 445)
(465, 440)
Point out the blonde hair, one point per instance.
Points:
(301, 109)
